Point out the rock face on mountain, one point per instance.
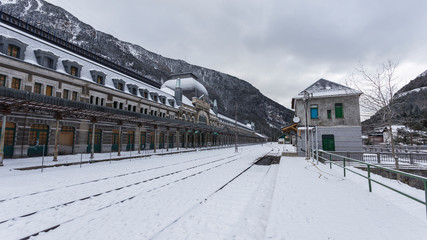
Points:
(252, 105)
(411, 107)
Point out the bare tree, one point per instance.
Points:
(379, 88)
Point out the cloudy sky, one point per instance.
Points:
(279, 46)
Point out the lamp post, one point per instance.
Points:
(306, 99)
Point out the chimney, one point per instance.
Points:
(215, 107)
(178, 92)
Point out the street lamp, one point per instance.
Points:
(306, 100)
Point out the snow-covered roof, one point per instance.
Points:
(187, 83)
(230, 120)
(87, 65)
(326, 88)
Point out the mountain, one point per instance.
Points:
(411, 107)
(253, 106)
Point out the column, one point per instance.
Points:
(55, 153)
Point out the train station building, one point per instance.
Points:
(58, 98)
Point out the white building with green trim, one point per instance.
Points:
(334, 110)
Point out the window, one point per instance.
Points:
(37, 88)
(2, 80)
(141, 110)
(129, 108)
(16, 83)
(49, 90)
(339, 113)
(46, 59)
(100, 80)
(13, 51)
(155, 98)
(12, 47)
(146, 111)
(102, 101)
(74, 97)
(329, 114)
(72, 68)
(121, 105)
(120, 86)
(98, 77)
(314, 112)
(115, 104)
(91, 99)
(145, 95)
(134, 108)
(66, 94)
(74, 71)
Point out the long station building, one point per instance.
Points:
(58, 98)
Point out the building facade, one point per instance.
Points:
(57, 98)
(333, 110)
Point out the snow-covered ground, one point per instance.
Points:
(214, 194)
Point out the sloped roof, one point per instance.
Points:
(325, 88)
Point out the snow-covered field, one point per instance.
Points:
(215, 194)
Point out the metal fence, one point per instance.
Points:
(343, 162)
(386, 157)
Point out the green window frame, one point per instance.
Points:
(339, 110)
(37, 88)
(13, 51)
(74, 97)
(66, 94)
(16, 83)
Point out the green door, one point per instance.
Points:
(171, 138)
(38, 140)
(97, 146)
(131, 141)
(9, 139)
(328, 142)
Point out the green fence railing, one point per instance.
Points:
(343, 161)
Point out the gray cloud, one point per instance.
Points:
(279, 46)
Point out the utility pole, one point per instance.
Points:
(236, 149)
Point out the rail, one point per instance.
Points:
(386, 157)
(328, 158)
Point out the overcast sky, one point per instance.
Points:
(279, 46)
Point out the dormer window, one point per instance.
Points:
(119, 84)
(154, 96)
(46, 59)
(13, 51)
(162, 99)
(171, 102)
(98, 77)
(12, 47)
(72, 68)
(144, 93)
(133, 89)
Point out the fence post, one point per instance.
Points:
(378, 158)
(425, 191)
(344, 166)
(411, 158)
(369, 178)
(330, 161)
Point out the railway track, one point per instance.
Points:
(139, 189)
(194, 207)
